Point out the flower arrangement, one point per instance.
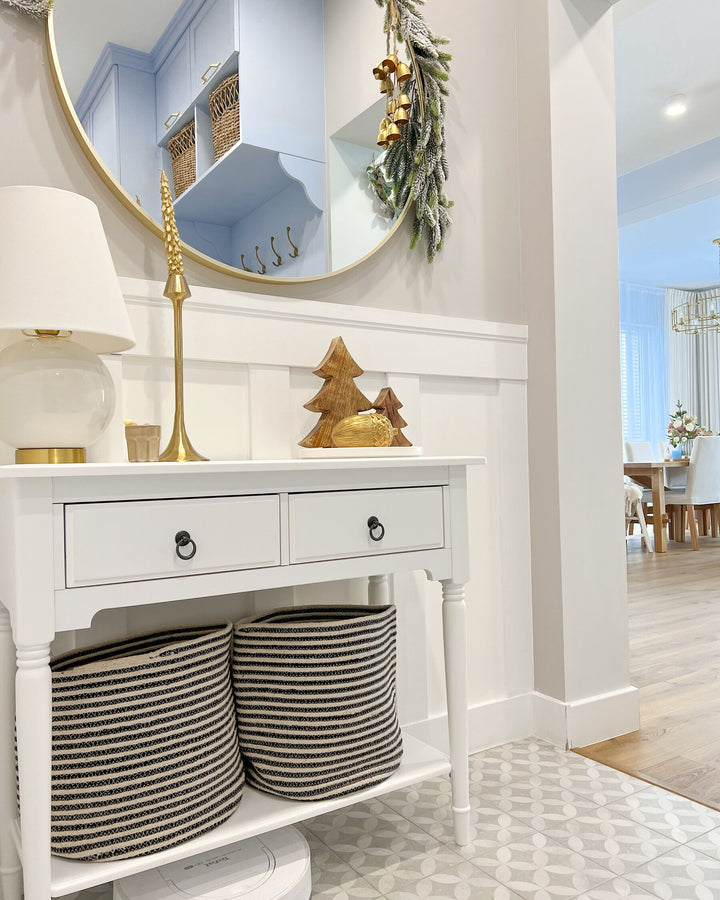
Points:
(683, 427)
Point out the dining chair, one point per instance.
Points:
(639, 451)
(634, 511)
(702, 489)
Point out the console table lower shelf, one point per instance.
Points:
(257, 813)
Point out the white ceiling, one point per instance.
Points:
(83, 27)
(666, 47)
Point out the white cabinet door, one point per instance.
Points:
(102, 120)
(212, 40)
(172, 87)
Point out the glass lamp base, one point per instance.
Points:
(39, 455)
(56, 398)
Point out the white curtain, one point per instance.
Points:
(644, 363)
(694, 370)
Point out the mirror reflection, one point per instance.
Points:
(263, 113)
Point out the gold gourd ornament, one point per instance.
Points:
(179, 448)
(369, 430)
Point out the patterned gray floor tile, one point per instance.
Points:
(678, 818)
(617, 889)
(682, 874)
(599, 783)
(708, 843)
(545, 824)
(331, 877)
(475, 887)
(386, 849)
(609, 839)
(410, 868)
(429, 806)
(536, 805)
(539, 869)
(514, 761)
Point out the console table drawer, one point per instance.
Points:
(136, 540)
(335, 525)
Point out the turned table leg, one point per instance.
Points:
(378, 590)
(454, 641)
(10, 869)
(33, 704)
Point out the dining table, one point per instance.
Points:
(651, 474)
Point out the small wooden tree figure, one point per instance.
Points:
(339, 396)
(388, 404)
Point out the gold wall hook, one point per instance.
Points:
(263, 270)
(277, 255)
(242, 263)
(291, 244)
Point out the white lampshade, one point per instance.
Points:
(56, 278)
(56, 271)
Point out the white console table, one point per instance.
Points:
(79, 539)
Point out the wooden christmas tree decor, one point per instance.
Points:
(388, 404)
(338, 398)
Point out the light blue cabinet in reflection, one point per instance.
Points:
(172, 87)
(117, 111)
(274, 177)
(213, 37)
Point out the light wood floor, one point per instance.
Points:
(674, 606)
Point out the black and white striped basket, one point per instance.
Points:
(145, 749)
(315, 699)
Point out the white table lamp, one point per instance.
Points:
(60, 305)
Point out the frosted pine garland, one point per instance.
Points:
(416, 165)
(37, 8)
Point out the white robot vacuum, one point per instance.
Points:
(272, 866)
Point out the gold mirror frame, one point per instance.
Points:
(155, 227)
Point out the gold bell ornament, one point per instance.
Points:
(386, 86)
(393, 133)
(390, 62)
(402, 73)
(382, 139)
(401, 117)
(390, 108)
(380, 72)
(404, 102)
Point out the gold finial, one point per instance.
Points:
(172, 238)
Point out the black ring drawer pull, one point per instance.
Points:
(374, 524)
(182, 539)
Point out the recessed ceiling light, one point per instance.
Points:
(676, 105)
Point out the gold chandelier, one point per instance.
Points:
(700, 315)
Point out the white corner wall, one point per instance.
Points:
(568, 208)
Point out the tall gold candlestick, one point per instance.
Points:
(179, 449)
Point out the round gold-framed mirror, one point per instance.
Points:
(298, 170)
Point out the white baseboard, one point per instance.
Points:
(566, 725)
(582, 722)
(489, 724)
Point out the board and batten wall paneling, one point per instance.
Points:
(248, 371)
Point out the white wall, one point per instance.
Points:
(569, 213)
(533, 218)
